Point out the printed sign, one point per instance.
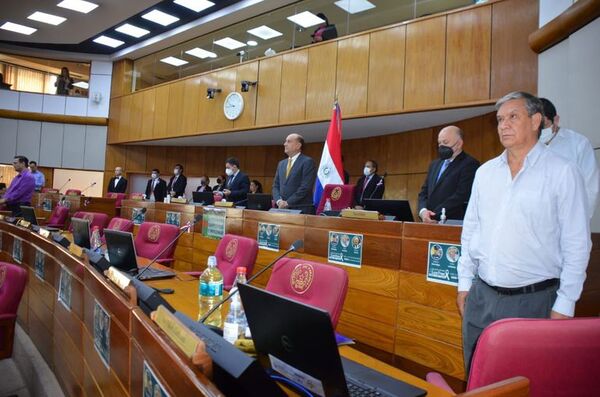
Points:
(102, 333)
(442, 261)
(39, 264)
(213, 222)
(17, 250)
(47, 204)
(173, 218)
(151, 385)
(64, 288)
(268, 236)
(137, 216)
(345, 248)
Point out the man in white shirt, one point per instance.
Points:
(573, 147)
(526, 237)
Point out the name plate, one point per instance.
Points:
(177, 200)
(360, 214)
(117, 277)
(76, 250)
(44, 233)
(24, 223)
(181, 335)
(227, 204)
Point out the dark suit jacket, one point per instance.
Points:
(371, 191)
(452, 190)
(121, 185)
(297, 188)
(218, 188)
(179, 187)
(160, 191)
(240, 186)
(207, 188)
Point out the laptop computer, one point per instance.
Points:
(203, 198)
(81, 232)
(122, 255)
(298, 341)
(259, 201)
(398, 210)
(29, 214)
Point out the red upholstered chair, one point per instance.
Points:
(340, 196)
(152, 238)
(12, 284)
(559, 357)
(316, 284)
(136, 196)
(234, 251)
(58, 217)
(121, 224)
(73, 192)
(118, 196)
(96, 219)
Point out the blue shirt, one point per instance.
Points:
(40, 180)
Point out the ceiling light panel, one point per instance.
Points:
(132, 30)
(78, 5)
(229, 43)
(195, 5)
(105, 40)
(15, 27)
(354, 6)
(82, 84)
(174, 61)
(46, 18)
(200, 53)
(306, 19)
(162, 18)
(264, 32)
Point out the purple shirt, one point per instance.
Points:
(21, 188)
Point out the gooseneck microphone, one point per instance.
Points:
(92, 184)
(296, 245)
(64, 184)
(380, 183)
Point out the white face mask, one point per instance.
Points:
(367, 171)
(228, 171)
(546, 134)
(154, 176)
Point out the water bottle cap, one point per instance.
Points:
(212, 260)
(240, 269)
(96, 228)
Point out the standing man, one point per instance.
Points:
(526, 236)
(177, 183)
(21, 188)
(237, 185)
(449, 179)
(156, 188)
(295, 177)
(369, 186)
(40, 180)
(574, 147)
(118, 183)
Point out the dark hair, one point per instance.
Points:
(374, 164)
(233, 161)
(206, 177)
(549, 109)
(155, 170)
(22, 159)
(322, 16)
(180, 166)
(32, 162)
(258, 185)
(301, 140)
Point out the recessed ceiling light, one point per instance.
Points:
(306, 19)
(78, 5)
(252, 43)
(82, 84)
(200, 53)
(160, 17)
(132, 30)
(264, 32)
(174, 61)
(46, 18)
(105, 40)
(15, 27)
(195, 5)
(229, 43)
(354, 6)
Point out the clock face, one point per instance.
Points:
(233, 106)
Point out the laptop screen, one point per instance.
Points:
(259, 201)
(29, 214)
(81, 232)
(121, 250)
(204, 198)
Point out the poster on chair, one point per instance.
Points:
(213, 222)
(17, 250)
(102, 333)
(173, 218)
(442, 263)
(268, 236)
(345, 249)
(64, 288)
(151, 385)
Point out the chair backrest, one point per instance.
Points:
(559, 357)
(49, 190)
(153, 237)
(118, 196)
(58, 217)
(513, 387)
(12, 284)
(96, 219)
(73, 192)
(136, 196)
(234, 251)
(122, 224)
(312, 283)
(340, 196)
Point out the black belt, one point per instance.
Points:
(528, 289)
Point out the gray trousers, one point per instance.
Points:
(484, 306)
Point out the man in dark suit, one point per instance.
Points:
(237, 185)
(156, 188)
(177, 183)
(204, 184)
(369, 186)
(449, 179)
(295, 177)
(118, 183)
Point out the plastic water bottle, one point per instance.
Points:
(210, 292)
(235, 323)
(327, 206)
(95, 241)
(443, 216)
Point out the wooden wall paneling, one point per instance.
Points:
(468, 55)
(148, 104)
(353, 74)
(434, 323)
(273, 156)
(156, 158)
(357, 151)
(386, 69)
(136, 159)
(115, 156)
(64, 346)
(192, 95)
(161, 111)
(269, 90)
(366, 330)
(292, 106)
(205, 106)
(420, 149)
(125, 118)
(225, 81)
(413, 187)
(135, 119)
(413, 287)
(195, 160)
(215, 162)
(174, 155)
(175, 112)
(490, 143)
(249, 72)
(321, 80)
(473, 136)
(70, 384)
(397, 155)
(114, 117)
(396, 187)
(514, 63)
(239, 152)
(122, 74)
(255, 160)
(425, 63)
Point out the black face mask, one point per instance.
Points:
(219, 181)
(445, 152)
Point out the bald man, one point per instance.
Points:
(295, 177)
(449, 179)
(118, 183)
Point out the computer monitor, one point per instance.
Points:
(204, 198)
(259, 201)
(29, 214)
(121, 250)
(399, 209)
(81, 232)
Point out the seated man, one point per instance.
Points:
(369, 186)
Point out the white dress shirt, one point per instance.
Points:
(525, 230)
(577, 148)
(117, 179)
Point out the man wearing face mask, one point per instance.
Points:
(237, 184)
(449, 179)
(156, 188)
(177, 183)
(369, 186)
(573, 147)
(204, 186)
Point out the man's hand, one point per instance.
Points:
(2, 201)
(358, 207)
(427, 217)
(226, 192)
(461, 298)
(557, 316)
(282, 204)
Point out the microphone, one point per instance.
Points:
(244, 201)
(83, 191)
(197, 218)
(64, 184)
(380, 183)
(296, 245)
